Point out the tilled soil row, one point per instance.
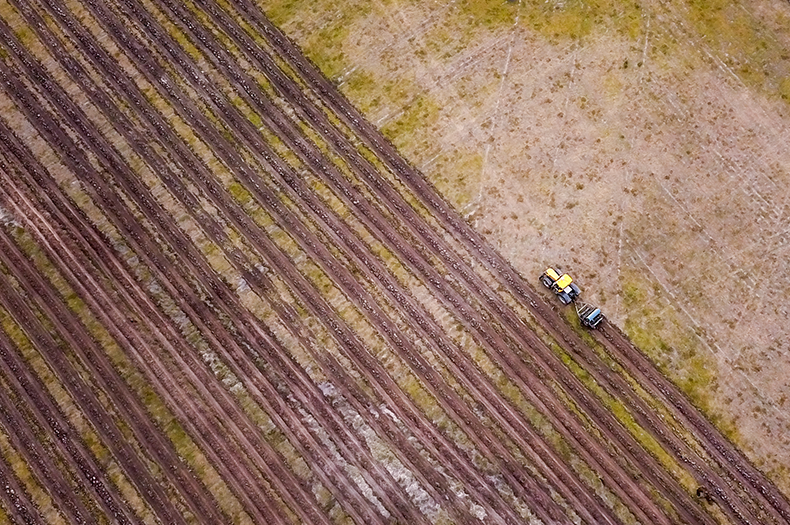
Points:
(677, 496)
(211, 192)
(88, 474)
(365, 263)
(732, 460)
(348, 281)
(214, 228)
(16, 500)
(227, 460)
(228, 415)
(741, 473)
(715, 474)
(40, 460)
(177, 397)
(83, 393)
(151, 439)
(343, 439)
(32, 393)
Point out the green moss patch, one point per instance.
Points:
(576, 19)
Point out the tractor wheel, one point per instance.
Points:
(546, 280)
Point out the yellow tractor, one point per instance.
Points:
(561, 284)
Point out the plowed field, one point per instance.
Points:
(226, 298)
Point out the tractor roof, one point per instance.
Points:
(552, 273)
(564, 281)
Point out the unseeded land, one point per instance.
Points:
(639, 145)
